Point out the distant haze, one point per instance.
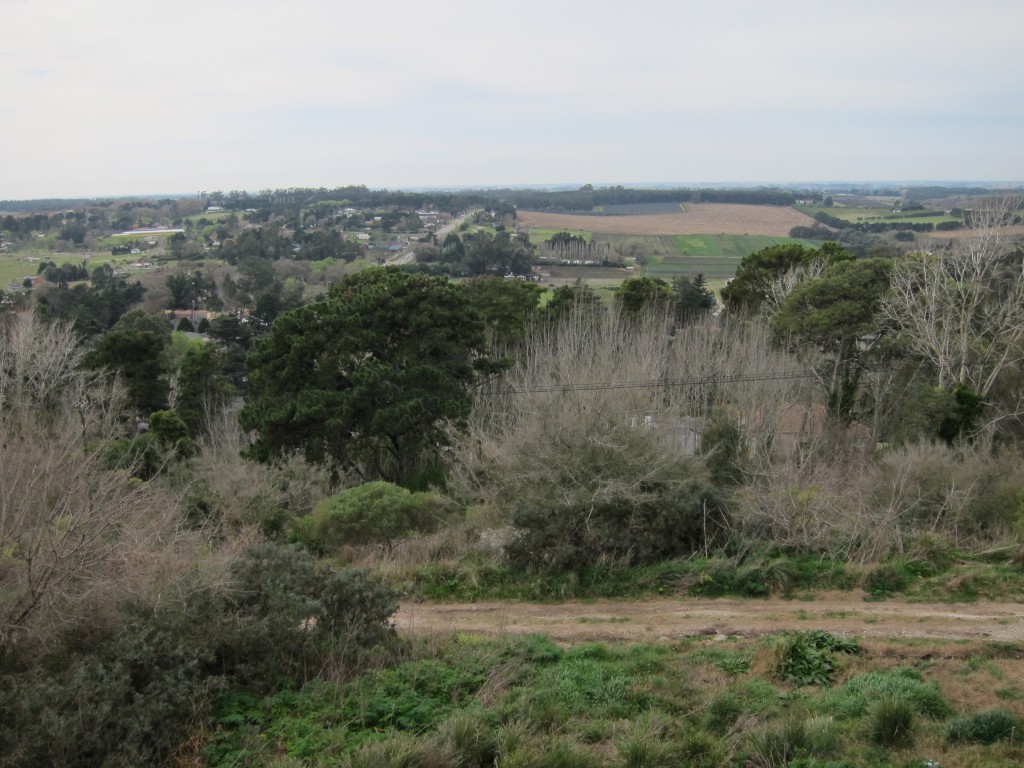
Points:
(111, 97)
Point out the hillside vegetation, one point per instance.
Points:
(206, 528)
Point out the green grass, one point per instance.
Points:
(13, 269)
(730, 246)
(871, 215)
(475, 701)
(716, 256)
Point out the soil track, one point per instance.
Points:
(670, 619)
(697, 219)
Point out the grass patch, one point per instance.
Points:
(853, 699)
(856, 215)
(716, 256)
(522, 701)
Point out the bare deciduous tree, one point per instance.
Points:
(70, 529)
(961, 308)
(597, 406)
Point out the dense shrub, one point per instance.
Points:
(668, 519)
(124, 703)
(722, 443)
(372, 513)
(289, 614)
(128, 695)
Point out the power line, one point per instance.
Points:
(654, 383)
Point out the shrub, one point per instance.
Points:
(227, 490)
(885, 580)
(668, 519)
(171, 432)
(127, 703)
(723, 444)
(373, 513)
(290, 613)
(985, 727)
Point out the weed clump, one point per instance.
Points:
(985, 727)
(890, 722)
(807, 658)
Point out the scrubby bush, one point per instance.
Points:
(372, 513)
(128, 693)
(664, 520)
(221, 488)
(612, 467)
(288, 614)
(126, 703)
(961, 492)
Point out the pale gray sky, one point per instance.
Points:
(117, 97)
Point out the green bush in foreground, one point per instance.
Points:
(129, 695)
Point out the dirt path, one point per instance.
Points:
(665, 620)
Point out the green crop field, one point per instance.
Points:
(872, 215)
(715, 256)
(539, 236)
(730, 246)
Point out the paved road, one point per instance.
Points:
(406, 256)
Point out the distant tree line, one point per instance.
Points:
(283, 201)
(587, 197)
(874, 226)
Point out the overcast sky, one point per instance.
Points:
(118, 97)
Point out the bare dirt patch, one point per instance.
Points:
(670, 619)
(697, 219)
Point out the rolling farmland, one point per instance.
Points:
(710, 238)
(696, 219)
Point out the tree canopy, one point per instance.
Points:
(367, 376)
(759, 274)
(836, 313)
